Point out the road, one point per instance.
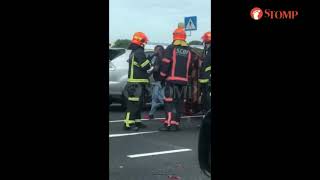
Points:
(152, 155)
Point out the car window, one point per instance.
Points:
(114, 53)
(149, 54)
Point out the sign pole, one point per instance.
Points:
(190, 23)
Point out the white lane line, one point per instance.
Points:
(157, 153)
(183, 117)
(130, 134)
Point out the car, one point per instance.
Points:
(205, 143)
(118, 74)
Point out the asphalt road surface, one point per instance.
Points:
(152, 155)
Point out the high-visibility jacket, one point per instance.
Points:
(176, 64)
(205, 70)
(138, 65)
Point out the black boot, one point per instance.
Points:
(128, 128)
(165, 127)
(140, 125)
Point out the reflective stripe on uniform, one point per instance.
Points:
(203, 80)
(131, 79)
(168, 99)
(207, 69)
(133, 98)
(163, 74)
(177, 79)
(131, 72)
(146, 62)
(165, 60)
(127, 121)
(138, 80)
(173, 77)
(136, 64)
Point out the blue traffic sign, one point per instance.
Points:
(190, 23)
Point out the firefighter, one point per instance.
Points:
(175, 71)
(205, 73)
(138, 78)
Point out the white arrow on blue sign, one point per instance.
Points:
(190, 23)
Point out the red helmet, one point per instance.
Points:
(179, 34)
(139, 38)
(206, 37)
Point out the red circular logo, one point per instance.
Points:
(256, 13)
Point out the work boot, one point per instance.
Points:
(149, 117)
(140, 125)
(174, 126)
(132, 127)
(127, 128)
(165, 127)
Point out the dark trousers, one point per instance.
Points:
(206, 97)
(134, 92)
(174, 101)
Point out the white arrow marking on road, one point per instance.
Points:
(158, 153)
(184, 117)
(130, 134)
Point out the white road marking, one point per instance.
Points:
(158, 153)
(183, 117)
(130, 134)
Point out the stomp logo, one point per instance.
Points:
(257, 13)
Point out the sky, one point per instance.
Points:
(157, 18)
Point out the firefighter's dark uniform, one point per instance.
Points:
(138, 78)
(175, 69)
(205, 80)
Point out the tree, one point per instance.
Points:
(195, 43)
(121, 43)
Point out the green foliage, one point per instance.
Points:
(195, 43)
(121, 43)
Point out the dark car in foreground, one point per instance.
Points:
(205, 144)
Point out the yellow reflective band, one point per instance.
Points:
(136, 64)
(138, 120)
(131, 72)
(133, 98)
(138, 80)
(146, 62)
(131, 79)
(127, 121)
(203, 80)
(207, 69)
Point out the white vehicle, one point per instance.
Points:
(118, 73)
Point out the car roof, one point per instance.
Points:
(150, 47)
(197, 46)
(117, 48)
